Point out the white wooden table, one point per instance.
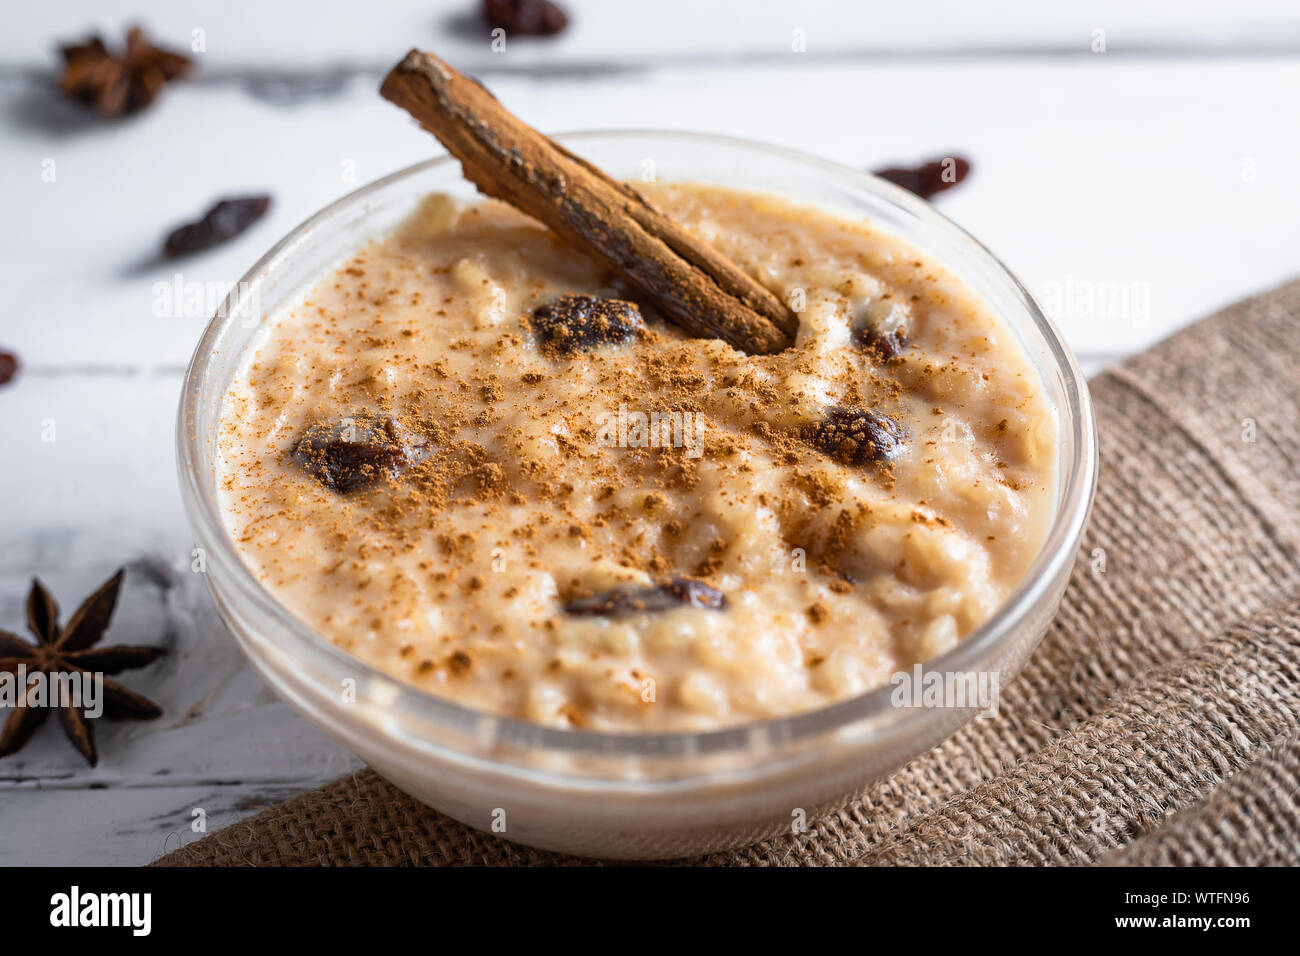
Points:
(1133, 190)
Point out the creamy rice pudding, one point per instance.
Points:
(469, 458)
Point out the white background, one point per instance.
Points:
(1163, 168)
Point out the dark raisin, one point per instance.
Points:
(349, 454)
(930, 178)
(620, 602)
(227, 219)
(538, 18)
(858, 437)
(865, 335)
(581, 323)
(8, 367)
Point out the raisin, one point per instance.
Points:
(227, 219)
(930, 178)
(620, 602)
(858, 437)
(539, 18)
(8, 367)
(352, 453)
(581, 323)
(865, 335)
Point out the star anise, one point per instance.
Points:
(118, 83)
(71, 651)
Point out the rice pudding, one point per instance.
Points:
(468, 458)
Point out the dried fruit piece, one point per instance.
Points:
(539, 18)
(117, 84)
(882, 327)
(8, 367)
(581, 323)
(227, 219)
(653, 599)
(858, 437)
(930, 178)
(866, 335)
(352, 453)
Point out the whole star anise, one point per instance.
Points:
(116, 83)
(71, 651)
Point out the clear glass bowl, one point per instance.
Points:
(625, 795)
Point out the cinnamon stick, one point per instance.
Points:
(689, 281)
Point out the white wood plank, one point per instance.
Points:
(244, 34)
(88, 457)
(121, 827)
(1172, 181)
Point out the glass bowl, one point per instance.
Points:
(621, 795)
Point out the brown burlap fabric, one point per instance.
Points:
(1158, 722)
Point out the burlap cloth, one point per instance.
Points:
(1158, 722)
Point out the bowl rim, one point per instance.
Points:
(1058, 548)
